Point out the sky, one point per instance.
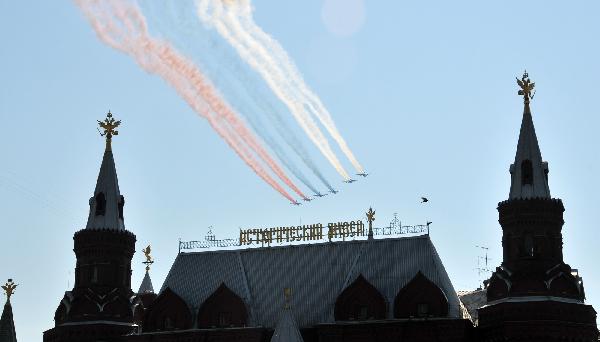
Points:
(424, 93)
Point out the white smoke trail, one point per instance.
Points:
(129, 34)
(237, 16)
(212, 14)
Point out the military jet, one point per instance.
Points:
(350, 181)
(296, 203)
(363, 174)
(318, 194)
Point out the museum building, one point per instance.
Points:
(363, 289)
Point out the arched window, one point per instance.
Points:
(528, 246)
(167, 312)
(100, 204)
(420, 298)
(526, 172)
(121, 204)
(360, 301)
(223, 308)
(94, 274)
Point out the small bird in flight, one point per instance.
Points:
(424, 200)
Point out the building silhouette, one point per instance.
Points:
(393, 289)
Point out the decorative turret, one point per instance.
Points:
(146, 286)
(106, 206)
(529, 174)
(145, 293)
(286, 329)
(7, 324)
(102, 290)
(533, 291)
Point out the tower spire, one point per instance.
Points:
(146, 286)
(106, 206)
(529, 174)
(7, 324)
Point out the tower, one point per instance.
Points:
(534, 295)
(145, 293)
(101, 301)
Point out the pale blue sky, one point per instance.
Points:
(424, 93)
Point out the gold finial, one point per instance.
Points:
(287, 294)
(9, 288)
(371, 215)
(526, 87)
(149, 260)
(109, 125)
(370, 218)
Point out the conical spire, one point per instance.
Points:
(286, 329)
(529, 174)
(7, 324)
(146, 286)
(106, 206)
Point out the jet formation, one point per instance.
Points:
(332, 191)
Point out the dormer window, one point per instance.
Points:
(526, 172)
(100, 204)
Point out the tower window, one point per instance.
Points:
(529, 249)
(100, 204)
(422, 310)
(168, 323)
(94, 278)
(121, 204)
(526, 172)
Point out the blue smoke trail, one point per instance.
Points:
(179, 24)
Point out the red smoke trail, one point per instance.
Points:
(197, 79)
(160, 58)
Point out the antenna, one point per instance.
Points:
(482, 264)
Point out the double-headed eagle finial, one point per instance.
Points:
(526, 87)
(9, 288)
(371, 215)
(109, 127)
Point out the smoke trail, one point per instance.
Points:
(276, 81)
(238, 19)
(246, 21)
(178, 21)
(130, 36)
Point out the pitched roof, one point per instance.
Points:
(146, 286)
(317, 273)
(473, 301)
(7, 325)
(528, 149)
(286, 329)
(108, 185)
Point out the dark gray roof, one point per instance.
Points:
(286, 329)
(146, 286)
(529, 149)
(108, 184)
(316, 273)
(473, 301)
(7, 325)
